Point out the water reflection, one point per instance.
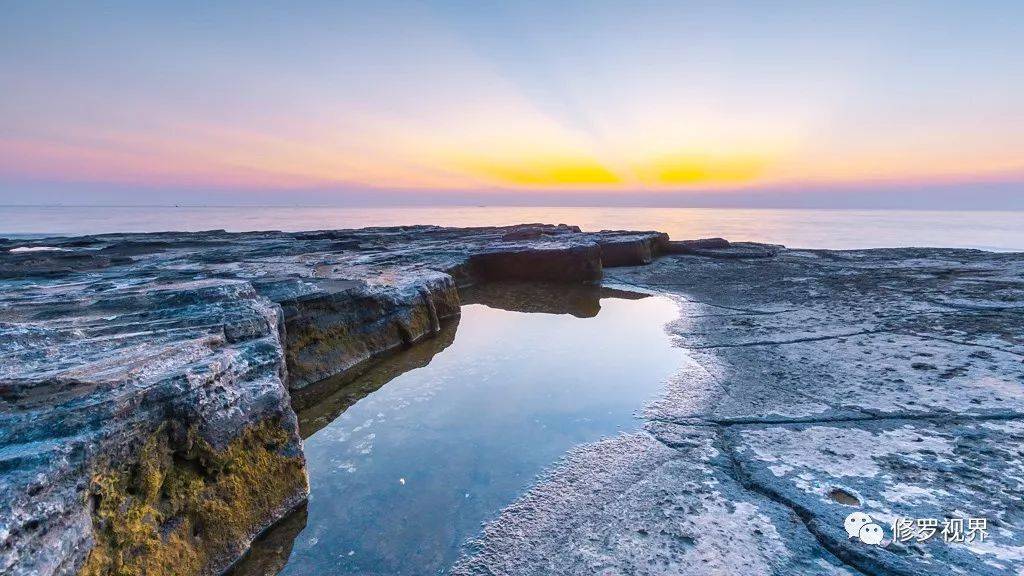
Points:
(319, 404)
(581, 301)
(269, 554)
(402, 474)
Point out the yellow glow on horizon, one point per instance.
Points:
(666, 171)
(494, 147)
(691, 169)
(543, 172)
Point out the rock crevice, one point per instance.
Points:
(818, 383)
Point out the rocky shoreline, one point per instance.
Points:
(819, 383)
(147, 384)
(146, 422)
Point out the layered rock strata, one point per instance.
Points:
(145, 416)
(146, 382)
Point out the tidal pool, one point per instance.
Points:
(408, 460)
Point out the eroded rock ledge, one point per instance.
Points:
(145, 417)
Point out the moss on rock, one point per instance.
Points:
(190, 510)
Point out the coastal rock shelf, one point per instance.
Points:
(147, 383)
(145, 415)
(819, 383)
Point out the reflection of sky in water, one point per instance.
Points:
(405, 475)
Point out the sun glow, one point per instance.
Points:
(423, 98)
(689, 169)
(543, 172)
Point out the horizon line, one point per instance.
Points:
(501, 205)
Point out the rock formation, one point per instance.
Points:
(146, 388)
(146, 423)
(819, 383)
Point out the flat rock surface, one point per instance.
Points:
(819, 383)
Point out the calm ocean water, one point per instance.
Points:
(837, 229)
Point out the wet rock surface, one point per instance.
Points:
(819, 383)
(146, 380)
(146, 423)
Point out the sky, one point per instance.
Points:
(859, 104)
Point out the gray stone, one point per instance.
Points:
(128, 357)
(818, 383)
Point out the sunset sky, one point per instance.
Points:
(513, 102)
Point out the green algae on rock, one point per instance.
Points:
(191, 511)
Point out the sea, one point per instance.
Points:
(796, 228)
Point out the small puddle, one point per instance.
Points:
(843, 497)
(407, 461)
